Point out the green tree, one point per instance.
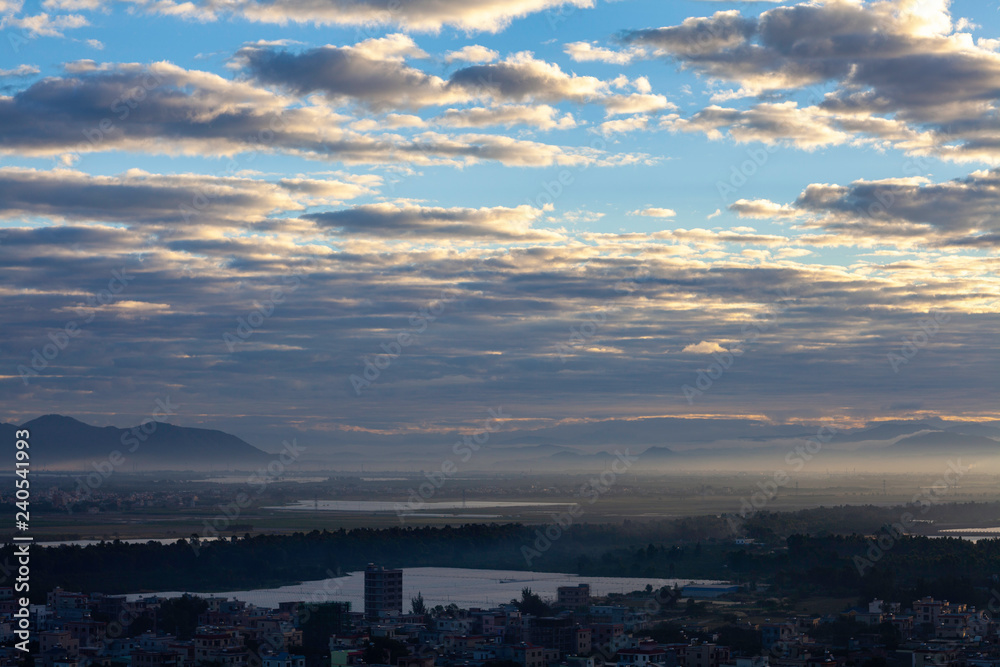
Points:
(532, 603)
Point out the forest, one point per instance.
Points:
(797, 554)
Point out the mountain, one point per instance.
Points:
(886, 431)
(64, 443)
(943, 441)
(986, 430)
(7, 433)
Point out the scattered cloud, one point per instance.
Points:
(655, 212)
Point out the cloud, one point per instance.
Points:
(72, 5)
(522, 77)
(411, 221)
(624, 125)
(168, 202)
(163, 108)
(807, 128)
(583, 52)
(889, 73)
(704, 37)
(44, 25)
(372, 72)
(542, 116)
(704, 347)
(910, 212)
(357, 290)
(19, 71)
(412, 15)
(636, 103)
(473, 53)
(655, 212)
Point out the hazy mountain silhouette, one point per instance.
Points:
(64, 443)
(943, 441)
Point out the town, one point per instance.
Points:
(650, 628)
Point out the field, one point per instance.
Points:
(171, 506)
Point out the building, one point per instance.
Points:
(282, 659)
(573, 596)
(928, 610)
(560, 633)
(607, 638)
(383, 592)
(221, 645)
(643, 656)
(776, 633)
(703, 655)
(58, 639)
(142, 658)
(527, 655)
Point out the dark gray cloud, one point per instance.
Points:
(374, 72)
(395, 221)
(698, 36)
(893, 73)
(167, 109)
(504, 337)
(912, 211)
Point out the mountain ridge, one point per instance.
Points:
(60, 442)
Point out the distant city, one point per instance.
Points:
(643, 628)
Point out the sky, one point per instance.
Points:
(337, 218)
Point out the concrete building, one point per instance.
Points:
(223, 645)
(573, 596)
(142, 658)
(383, 592)
(644, 656)
(560, 633)
(283, 659)
(527, 655)
(703, 655)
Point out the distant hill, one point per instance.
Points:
(987, 430)
(886, 431)
(64, 443)
(942, 441)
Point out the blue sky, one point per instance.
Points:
(364, 158)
